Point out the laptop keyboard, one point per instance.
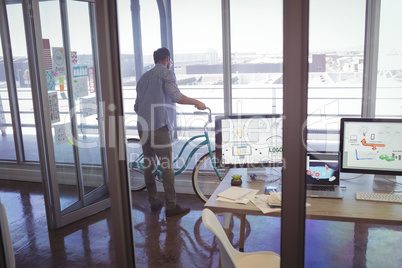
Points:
(320, 188)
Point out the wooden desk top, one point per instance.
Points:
(347, 209)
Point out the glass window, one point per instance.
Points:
(197, 42)
(257, 70)
(336, 45)
(150, 41)
(86, 110)
(73, 106)
(150, 30)
(389, 79)
(55, 57)
(22, 78)
(7, 151)
(127, 64)
(257, 56)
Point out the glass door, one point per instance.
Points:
(68, 112)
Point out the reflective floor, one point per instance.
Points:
(181, 242)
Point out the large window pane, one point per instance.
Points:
(22, 78)
(86, 110)
(150, 30)
(335, 90)
(28, 124)
(257, 72)
(7, 151)
(389, 81)
(197, 43)
(74, 97)
(64, 151)
(257, 60)
(150, 41)
(336, 47)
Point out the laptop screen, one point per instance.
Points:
(322, 169)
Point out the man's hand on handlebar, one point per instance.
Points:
(200, 105)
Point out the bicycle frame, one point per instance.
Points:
(190, 156)
(140, 165)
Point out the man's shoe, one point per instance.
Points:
(178, 210)
(157, 206)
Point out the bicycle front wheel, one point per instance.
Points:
(205, 180)
(135, 160)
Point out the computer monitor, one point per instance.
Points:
(249, 141)
(372, 146)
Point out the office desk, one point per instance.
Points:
(347, 209)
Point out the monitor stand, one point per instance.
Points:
(386, 183)
(261, 171)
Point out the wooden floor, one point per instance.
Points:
(181, 241)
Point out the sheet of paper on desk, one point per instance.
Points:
(242, 200)
(234, 193)
(261, 202)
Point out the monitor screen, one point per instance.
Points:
(250, 141)
(372, 146)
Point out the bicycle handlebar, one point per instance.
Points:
(209, 113)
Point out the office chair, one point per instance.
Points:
(230, 257)
(5, 234)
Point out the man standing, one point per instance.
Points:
(157, 93)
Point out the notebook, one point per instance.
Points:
(322, 175)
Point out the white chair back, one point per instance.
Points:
(7, 243)
(227, 252)
(232, 258)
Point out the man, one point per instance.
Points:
(157, 93)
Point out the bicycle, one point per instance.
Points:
(206, 175)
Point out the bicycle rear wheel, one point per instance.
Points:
(205, 180)
(134, 155)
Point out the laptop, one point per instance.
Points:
(322, 175)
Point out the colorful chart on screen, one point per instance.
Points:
(373, 145)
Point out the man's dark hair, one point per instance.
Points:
(161, 54)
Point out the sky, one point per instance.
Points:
(256, 25)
